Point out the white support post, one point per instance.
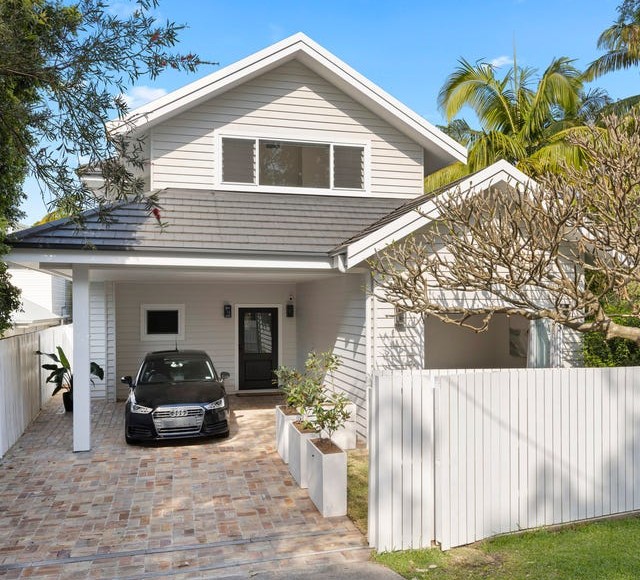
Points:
(81, 361)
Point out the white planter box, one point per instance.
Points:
(345, 438)
(282, 432)
(298, 454)
(327, 480)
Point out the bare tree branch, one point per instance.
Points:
(561, 250)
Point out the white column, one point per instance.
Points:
(81, 361)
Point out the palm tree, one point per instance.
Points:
(621, 41)
(523, 125)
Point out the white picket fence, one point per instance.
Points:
(458, 456)
(22, 382)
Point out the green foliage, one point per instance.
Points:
(61, 374)
(63, 71)
(304, 391)
(524, 123)
(615, 352)
(621, 42)
(318, 409)
(330, 413)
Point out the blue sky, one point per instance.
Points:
(408, 47)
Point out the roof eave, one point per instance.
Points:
(406, 224)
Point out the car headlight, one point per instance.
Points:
(135, 408)
(219, 404)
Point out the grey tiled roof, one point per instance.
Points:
(396, 213)
(210, 221)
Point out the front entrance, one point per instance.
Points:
(257, 347)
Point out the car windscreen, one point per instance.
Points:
(177, 369)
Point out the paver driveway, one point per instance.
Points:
(188, 510)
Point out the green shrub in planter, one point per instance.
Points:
(330, 414)
(304, 390)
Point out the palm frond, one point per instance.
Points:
(477, 87)
(461, 131)
(445, 176)
(559, 88)
(622, 43)
(493, 146)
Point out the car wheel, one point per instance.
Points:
(129, 440)
(224, 435)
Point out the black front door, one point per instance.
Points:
(258, 347)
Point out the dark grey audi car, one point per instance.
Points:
(176, 394)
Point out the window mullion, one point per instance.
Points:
(331, 180)
(256, 162)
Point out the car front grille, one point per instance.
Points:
(179, 421)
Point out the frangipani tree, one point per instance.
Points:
(566, 248)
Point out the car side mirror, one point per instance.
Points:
(224, 375)
(127, 381)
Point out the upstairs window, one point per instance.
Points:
(276, 163)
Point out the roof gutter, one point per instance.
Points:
(340, 262)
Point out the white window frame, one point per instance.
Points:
(144, 335)
(294, 137)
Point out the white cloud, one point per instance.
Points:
(501, 61)
(138, 96)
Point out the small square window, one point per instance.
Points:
(162, 321)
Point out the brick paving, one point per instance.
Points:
(204, 509)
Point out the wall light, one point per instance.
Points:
(289, 308)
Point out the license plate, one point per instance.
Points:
(180, 422)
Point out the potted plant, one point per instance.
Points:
(288, 381)
(302, 392)
(326, 462)
(62, 376)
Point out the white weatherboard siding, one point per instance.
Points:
(98, 335)
(396, 348)
(110, 376)
(291, 99)
(331, 317)
(60, 296)
(205, 326)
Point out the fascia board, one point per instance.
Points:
(318, 59)
(412, 221)
(374, 95)
(52, 258)
(205, 88)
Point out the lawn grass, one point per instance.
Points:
(602, 550)
(358, 488)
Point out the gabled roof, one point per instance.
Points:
(210, 222)
(323, 63)
(419, 212)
